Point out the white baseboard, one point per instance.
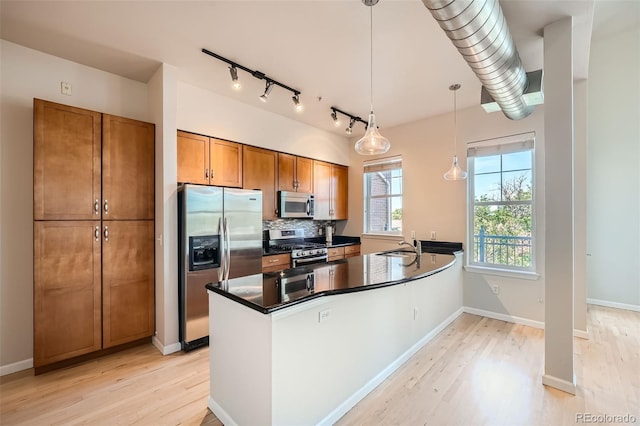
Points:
(504, 317)
(16, 366)
(166, 350)
(347, 405)
(518, 320)
(222, 415)
(563, 385)
(616, 305)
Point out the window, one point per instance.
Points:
(383, 196)
(502, 203)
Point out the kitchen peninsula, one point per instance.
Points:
(305, 345)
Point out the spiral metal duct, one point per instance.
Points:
(479, 31)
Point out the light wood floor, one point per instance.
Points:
(477, 371)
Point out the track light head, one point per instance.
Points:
(235, 83)
(334, 116)
(267, 90)
(297, 105)
(349, 130)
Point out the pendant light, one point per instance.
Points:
(455, 172)
(372, 142)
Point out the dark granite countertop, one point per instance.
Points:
(270, 292)
(338, 241)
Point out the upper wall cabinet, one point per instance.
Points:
(66, 163)
(295, 173)
(330, 187)
(260, 172)
(209, 161)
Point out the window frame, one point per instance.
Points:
(527, 140)
(383, 164)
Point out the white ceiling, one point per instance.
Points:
(319, 47)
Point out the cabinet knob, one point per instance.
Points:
(206, 173)
(96, 206)
(106, 206)
(106, 233)
(213, 173)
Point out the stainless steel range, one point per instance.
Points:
(302, 252)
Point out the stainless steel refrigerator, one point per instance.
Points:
(220, 237)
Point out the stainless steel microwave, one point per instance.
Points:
(295, 204)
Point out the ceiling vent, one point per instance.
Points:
(479, 31)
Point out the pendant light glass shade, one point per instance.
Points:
(455, 172)
(372, 142)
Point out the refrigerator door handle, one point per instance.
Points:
(223, 255)
(227, 247)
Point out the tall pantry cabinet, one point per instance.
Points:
(93, 231)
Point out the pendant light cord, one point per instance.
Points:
(455, 124)
(371, 56)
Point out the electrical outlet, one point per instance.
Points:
(324, 315)
(65, 88)
(495, 288)
(413, 235)
(433, 235)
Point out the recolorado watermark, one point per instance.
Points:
(605, 418)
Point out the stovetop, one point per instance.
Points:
(303, 245)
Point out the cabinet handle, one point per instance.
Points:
(273, 261)
(106, 206)
(213, 173)
(96, 206)
(97, 233)
(206, 173)
(106, 233)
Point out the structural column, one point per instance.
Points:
(559, 256)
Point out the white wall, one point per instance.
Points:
(28, 74)
(432, 204)
(613, 196)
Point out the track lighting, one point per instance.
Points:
(267, 89)
(235, 83)
(233, 70)
(352, 119)
(296, 103)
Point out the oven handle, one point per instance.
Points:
(308, 207)
(303, 260)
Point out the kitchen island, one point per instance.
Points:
(305, 345)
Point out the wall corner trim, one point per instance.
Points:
(560, 384)
(166, 350)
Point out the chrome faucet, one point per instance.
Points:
(417, 248)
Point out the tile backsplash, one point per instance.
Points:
(311, 227)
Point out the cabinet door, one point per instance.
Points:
(304, 174)
(339, 192)
(127, 281)
(128, 164)
(66, 162)
(260, 172)
(286, 172)
(322, 189)
(193, 158)
(66, 290)
(226, 163)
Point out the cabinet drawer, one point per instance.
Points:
(276, 262)
(353, 250)
(335, 253)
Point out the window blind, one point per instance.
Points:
(383, 164)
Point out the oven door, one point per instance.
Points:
(300, 261)
(295, 204)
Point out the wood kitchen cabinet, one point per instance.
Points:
(66, 162)
(276, 262)
(295, 173)
(127, 281)
(261, 172)
(93, 276)
(351, 251)
(330, 187)
(67, 290)
(209, 161)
